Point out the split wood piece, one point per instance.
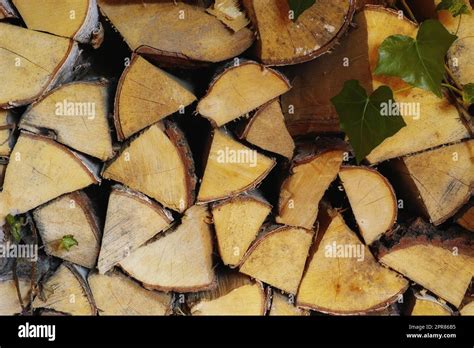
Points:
(439, 181)
(66, 292)
(197, 37)
(180, 260)
(240, 89)
(283, 41)
(6, 128)
(6, 10)
(9, 301)
(131, 220)
(237, 222)
(278, 257)
(461, 53)
(466, 217)
(3, 168)
(267, 130)
(158, 163)
(315, 83)
(229, 13)
(145, 95)
(235, 294)
(40, 170)
(231, 168)
(423, 253)
(467, 309)
(31, 63)
(343, 277)
(75, 19)
(429, 305)
(313, 169)
(372, 200)
(283, 305)
(74, 114)
(116, 294)
(71, 214)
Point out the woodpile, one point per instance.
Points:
(189, 158)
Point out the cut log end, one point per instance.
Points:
(372, 200)
(336, 277)
(164, 264)
(239, 90)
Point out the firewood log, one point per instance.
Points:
(164, 264)
(132, 219)
(75, 115)
(197, 37)
(116, 294)
(31, 63)
(40, 170)
(342, 276)
(66, 292)
(70, 215)
(284, 39)
(75, 19)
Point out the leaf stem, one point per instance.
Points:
(452, 88)
(459, 25)
(409, 11)
(452, 77)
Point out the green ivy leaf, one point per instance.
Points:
(299, 6)
(67, 242)
(419, 62)
(15, 224)
(361, 117)
(468, 93)
(455, 7)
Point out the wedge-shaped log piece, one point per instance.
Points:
(278, 257)
(313, 169)
(66, 292)
(372, 200)
(3, 168)
(423, 253)
(6, 126)
(159, 164)
(284, 41)
(230, 162)
(342, 276)
(429, 305)
(75, 19)
(461, 52)
(145, 95)
(283, 305)
(235, 294)
(431, 121)
(240, 89)
(116, 294)
(31, 63)
(180, 260)
(71, 214)
(467, 309)
(267, 130)
(197, 37)
(237, 222)
(440, 181)
(466, 217)
(132, 219)
(40, 170)
(76, 114)
(9, 301)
